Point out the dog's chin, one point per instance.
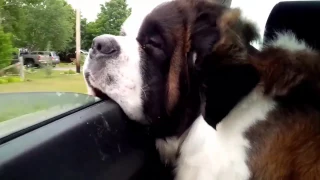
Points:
(96, 92)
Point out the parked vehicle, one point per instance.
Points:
(38, 58)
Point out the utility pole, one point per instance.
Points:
(78, 40)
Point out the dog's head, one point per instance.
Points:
(156, 75)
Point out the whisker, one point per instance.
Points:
(144, 89)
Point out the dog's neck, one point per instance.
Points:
(224, 88)
(176, 123)
(225, 84)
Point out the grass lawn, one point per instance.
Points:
(39, 82)
(17, 105)
(66, 65)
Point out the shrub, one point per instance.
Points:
(6, 49)
(48, 70)
(13, 79)
(3, 81)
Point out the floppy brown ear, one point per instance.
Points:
(224, 32)
(236, 34)
(220, 40)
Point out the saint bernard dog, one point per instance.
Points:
(219, 109)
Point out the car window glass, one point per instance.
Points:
(23, 110)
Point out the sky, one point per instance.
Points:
(255, 10)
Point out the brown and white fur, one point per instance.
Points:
(218, 109)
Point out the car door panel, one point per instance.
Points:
(97, 142)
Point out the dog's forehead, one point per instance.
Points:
(132, 24)
(164, 19)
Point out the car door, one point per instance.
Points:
(75, 137)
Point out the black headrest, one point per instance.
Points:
(300, 17)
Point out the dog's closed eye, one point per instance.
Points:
(156, 41)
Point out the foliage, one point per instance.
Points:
(33, 23)
(14, 79)
(3, 81)
(54, 26)
(85, 41)
(109, 21)
(11, 79)
(12, 17)
(91, 31)
(6, 49)
(67, 54)
(113, 14)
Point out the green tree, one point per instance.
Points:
(11, 27)
(49, 21)
(87, 34)
(112, 16)
(12, 17)
(6, 49)
(90, 32)
(109, 21)
(35, 23)
(68, 53)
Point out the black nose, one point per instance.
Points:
(105, 45)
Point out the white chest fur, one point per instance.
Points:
(208, 154)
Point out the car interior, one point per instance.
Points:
(97, 141)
